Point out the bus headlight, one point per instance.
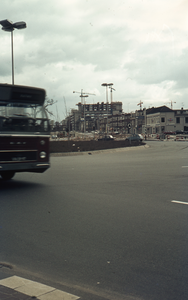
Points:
(42, 154)
(42, 142)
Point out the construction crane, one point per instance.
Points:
(171, 102)
(65, 106)
(83, 95)
(140, 103)
(111, 89)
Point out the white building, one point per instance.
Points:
(160, 119)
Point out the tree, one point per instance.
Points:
(49, 102)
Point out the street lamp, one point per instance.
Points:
(84, 112)
(107, 85)
(9, 26)
(83, 95)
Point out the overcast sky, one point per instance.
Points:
(141, 46)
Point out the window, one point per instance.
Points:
(162, 120)
(186, 119)
(178, 120)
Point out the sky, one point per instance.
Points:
(141, 46)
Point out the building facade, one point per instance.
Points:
(155, 120)
(181, 119)
(96, 116)
(160, 119)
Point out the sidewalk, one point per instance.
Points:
(10, 294)
(18, 288)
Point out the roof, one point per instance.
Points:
(154, 110)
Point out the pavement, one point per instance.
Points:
(18, 288)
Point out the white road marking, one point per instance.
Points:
(180, 202)
(36, 289)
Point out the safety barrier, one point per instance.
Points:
(181, 138)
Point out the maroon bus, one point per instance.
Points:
(24, 130)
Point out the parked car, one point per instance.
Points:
(106, 138)
(170, 132)
(181, 132)
(135, 137)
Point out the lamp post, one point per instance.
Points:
(112, 89)
(83, 95)
(107, 85)
(9, 26)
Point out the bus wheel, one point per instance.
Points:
(7, 175)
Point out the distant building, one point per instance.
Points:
(155, 120)
(95, 115)
(181, 119)
(100, 109)
(75, 120)
(137, 121)
(160, 119)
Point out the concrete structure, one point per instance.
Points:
(100, 109)
(95, 115)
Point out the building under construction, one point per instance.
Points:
(90, 117)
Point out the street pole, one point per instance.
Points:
(111, 88)
(9, 26)
(107, 106)
(107, 85)
(84, 113)
(12, 58)
(83, 95)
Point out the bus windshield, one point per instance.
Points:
(23, 117)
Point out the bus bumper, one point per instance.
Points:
(36, 167)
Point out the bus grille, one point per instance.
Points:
(18, 156)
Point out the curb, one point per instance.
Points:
(16, 287)
(115, 150)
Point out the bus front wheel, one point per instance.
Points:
(7, 175)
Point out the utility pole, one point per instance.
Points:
(83, 95)
(111, 97)
(106, 85)
(140, 103)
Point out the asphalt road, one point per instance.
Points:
(102, 225)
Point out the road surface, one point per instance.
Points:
(102, 225)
